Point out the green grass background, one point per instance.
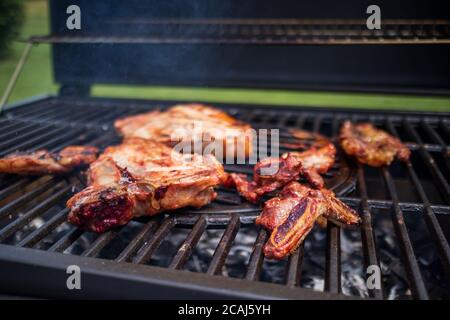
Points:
(36, 78)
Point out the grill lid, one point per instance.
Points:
(253, 45)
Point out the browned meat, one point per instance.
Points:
(142, 177)
(195, 125)
(44, 162)
(318, 159)
(370, 145)
(292, 215)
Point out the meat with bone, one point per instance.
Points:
(142, 178)
(191, 125)
(370, 145)
(290, 216)
(318, 159)
(42, 162)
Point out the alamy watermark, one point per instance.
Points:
(373, 281)
(374, 20)
(73, 281)
(229, 145)
(73, 21)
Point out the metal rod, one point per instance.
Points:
(66, 240)
(294, 269)
(438, 176)
(416, 282)
(13, 187)
(224, 246)
(14, 226)
(143, 235)
(333, 250)
(367, 233)
(186, 248)
(430, 218)
(102, 241)
(26, 198)
(293, 40)
(40, 233)
(146, 252)
(15, 75)
(257, 257)
(333, 260)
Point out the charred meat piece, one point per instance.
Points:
(273, 173)
(44, 162)
(290, 216)
(370, 145)
(142, 177)
(197, 127)
(269, 175)
(320, 152)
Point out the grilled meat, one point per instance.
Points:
(318, 159)
(142, 177)
(193, 127)
(288, 169)
(44, 162)
(290, 216)
(370, 145)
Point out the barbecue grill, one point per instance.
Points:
(216, 251)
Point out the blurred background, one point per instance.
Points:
(20, 19)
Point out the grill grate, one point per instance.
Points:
(286, 32)
(32, 210)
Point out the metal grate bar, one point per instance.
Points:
(13, 187)
(39, 114)
(333, 260)
(299, 39)
(16, 139)
(444, 125)
(24, 128)
(333, 250)
(99, 243)
(143, 235)
(30, 215)
(62, 114)
(437, 139)
(40, 108)
(115, 114)
(412, 268)
(40, 233)
(66, 240)
(12, 126)
(257, 257)
(430, 163)
(405, 206)
(65, 140)
(429, 216)
(185, 250)
(144, 255)
(224, 246)
(294, 269)
(32, 142)
(24, 199)
(89, 138)
(432, 222)
(367, 233)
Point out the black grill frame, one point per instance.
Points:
(28, 271)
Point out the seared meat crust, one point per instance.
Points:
(43, 162)
(370, 145)
(316, 160)
(292, 214)
(142, 177)
(195, 125)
